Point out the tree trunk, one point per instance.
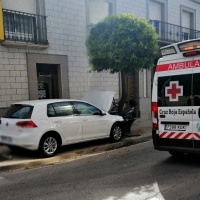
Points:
(123, 97)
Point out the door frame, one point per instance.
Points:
(63, 78)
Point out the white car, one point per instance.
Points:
(45, 125)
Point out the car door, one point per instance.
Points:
(64, 117)
(95, 125)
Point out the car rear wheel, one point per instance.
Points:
(176, 154)
(49, 145)
(116, 132)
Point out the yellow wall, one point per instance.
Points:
(1, 23)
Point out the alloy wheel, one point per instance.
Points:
(50, 145)
(117, 132)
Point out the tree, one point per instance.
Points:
(122, 43)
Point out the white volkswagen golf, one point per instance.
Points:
(45, 125)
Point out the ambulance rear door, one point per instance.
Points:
(175, 110)
(196, 104)
(191, 49)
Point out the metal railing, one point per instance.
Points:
(172, 33)
(24, 27)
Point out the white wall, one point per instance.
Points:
(67, 33)
(137, 7)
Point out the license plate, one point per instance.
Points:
(175, 127)
(6, 139)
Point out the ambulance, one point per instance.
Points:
(176, 99)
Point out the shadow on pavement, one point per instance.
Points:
(26, 154)
(192, 160)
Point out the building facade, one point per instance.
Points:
(43, 52)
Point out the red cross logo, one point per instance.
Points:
(174, 91)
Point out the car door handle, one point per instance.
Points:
(58, 121)
(84, 120)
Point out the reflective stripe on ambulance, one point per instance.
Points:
(180, 135)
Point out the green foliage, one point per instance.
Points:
(122, 42)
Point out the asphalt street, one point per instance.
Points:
(133, 173)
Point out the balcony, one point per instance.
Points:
(170, 33)
(24, 30)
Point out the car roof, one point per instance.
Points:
(45, 101)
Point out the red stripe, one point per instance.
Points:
(177, 136)
(186, 136)
(162, 134)
(172, 133)
(178, 66)
(197, 135)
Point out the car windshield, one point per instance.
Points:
(19, 111)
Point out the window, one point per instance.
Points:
(50, 111)
(19, 111)
(188, 17)
(172, 85)
(98, 10)
(19, 25)
(60, 109)
(86, 109)
(28, 6)
(157, 10)
(186, 24)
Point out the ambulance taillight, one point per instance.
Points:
(154, 108)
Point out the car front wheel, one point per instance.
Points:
(116, 132)
(49, 145)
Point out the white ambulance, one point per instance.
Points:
(176, 99)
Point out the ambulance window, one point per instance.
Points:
(196, 89)
(175, 90)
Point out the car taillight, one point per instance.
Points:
(26, 124)
(0, 121)
(154, 108)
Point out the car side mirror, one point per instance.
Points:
(103, 113)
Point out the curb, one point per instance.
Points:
(16, 165)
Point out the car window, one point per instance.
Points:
(60, 109)
(50, 111)
(19, 111)
(86, 109)
(175, 90)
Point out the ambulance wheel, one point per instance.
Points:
(176, 154)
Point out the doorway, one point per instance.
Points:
(47, 81)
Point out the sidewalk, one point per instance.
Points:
(140, 132)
